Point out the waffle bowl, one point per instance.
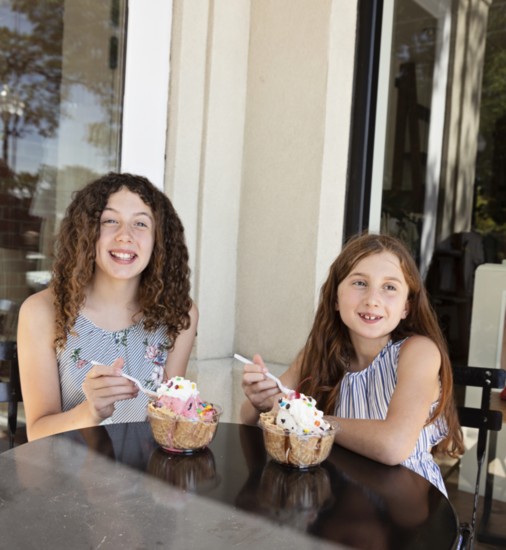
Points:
(295, 450)
(178, 434)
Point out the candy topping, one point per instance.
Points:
(298, 413)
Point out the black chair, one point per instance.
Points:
(10, 388)
(484, 420)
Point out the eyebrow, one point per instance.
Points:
(389, 278)
(141, 213)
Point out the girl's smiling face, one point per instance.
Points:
(373, 297)
(127, 236)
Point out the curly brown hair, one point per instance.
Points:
(328, 348)
(164, 290)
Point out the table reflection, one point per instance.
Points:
(348, 499)
(194, 473)
(288, 496)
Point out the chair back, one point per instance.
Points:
(484, 420)
(10, 388)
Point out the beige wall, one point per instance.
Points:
(259, 121)
(290, 68)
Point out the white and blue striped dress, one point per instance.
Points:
(366, 394)
(144, 353)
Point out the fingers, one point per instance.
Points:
(109, 384)
(107, 370)
(104, 385)
(255, 372)
(259, 389)
(254, 376)
(118, 364)
(257, 360)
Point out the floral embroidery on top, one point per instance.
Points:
(120, 337)
(76, 357)
(158, 355)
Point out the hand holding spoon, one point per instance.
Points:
(149, 393)
(280, 384)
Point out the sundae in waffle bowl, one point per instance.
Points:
(297, 434)
(180, 421)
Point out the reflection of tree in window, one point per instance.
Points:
(56, 84)
(490, 193)
(98, 73)
(30, 94)
(30, 71)
(44, 70)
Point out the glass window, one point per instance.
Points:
(489, 213)
(415, 104)
(61, 89)
(442, 169)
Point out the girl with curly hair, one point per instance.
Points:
(375, 359)
(118, 301)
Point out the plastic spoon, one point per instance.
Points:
(149, 393)
(280, 384)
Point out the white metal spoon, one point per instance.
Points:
(149, 393)
(280, 384)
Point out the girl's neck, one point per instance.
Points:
(112, 305)
(366, 351)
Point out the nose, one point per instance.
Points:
(124, 233)
(372, 298)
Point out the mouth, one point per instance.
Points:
(369, 317)
(123, 256)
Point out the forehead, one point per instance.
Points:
(383, 263)
(125, 200)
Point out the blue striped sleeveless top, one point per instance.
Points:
(144, 353)
(366, 394)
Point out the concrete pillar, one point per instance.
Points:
(259, 119)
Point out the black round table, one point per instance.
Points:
(112, 487)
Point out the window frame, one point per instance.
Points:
(146, 89)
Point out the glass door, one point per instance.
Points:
(439, 164)
(489, 214)
(410, 119)
(62, 66)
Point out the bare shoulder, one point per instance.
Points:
(38, 307)
(194, 313)
(36, 331)
(420, 350)
(418, 343)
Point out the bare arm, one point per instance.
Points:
(392, 440)
(261, 392)
(40, 378)
(177, 359)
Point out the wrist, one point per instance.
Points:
(90, 415)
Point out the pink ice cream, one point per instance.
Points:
(181, 396)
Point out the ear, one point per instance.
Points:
(406, 311)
